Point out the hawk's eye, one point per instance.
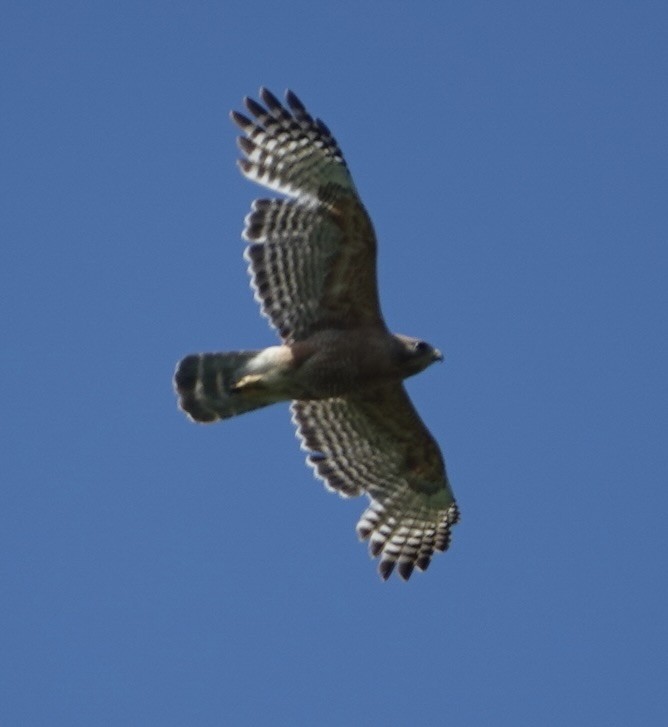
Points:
(421, 347)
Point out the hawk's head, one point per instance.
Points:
(415, 355)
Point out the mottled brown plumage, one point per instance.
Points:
(312, 260)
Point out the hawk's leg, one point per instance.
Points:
(250, 382)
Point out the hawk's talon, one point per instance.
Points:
(250, 381)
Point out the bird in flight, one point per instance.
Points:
(312, 262)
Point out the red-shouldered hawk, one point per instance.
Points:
(313, 269)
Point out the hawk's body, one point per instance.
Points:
(313, 266)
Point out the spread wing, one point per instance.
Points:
(313, 256)
(377, 444)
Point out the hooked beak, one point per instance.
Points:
(438, 356)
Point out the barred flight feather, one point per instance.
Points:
(355, 453)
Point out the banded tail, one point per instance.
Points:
(206, 384)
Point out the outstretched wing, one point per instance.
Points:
(312, 257)
(377, 444)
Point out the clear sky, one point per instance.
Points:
(514, 158)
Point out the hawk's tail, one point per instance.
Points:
(207, 385)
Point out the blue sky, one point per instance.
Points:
(514, 159)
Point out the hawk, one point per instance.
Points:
(312, 262)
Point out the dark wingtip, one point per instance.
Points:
(323, 128)
(375, 547)
(405, 568)
(246, 145)
(244, 165)
(293, 101)
(269, 99)
(385, 568)
(243, 122)
(423, 562)
(254, 107)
